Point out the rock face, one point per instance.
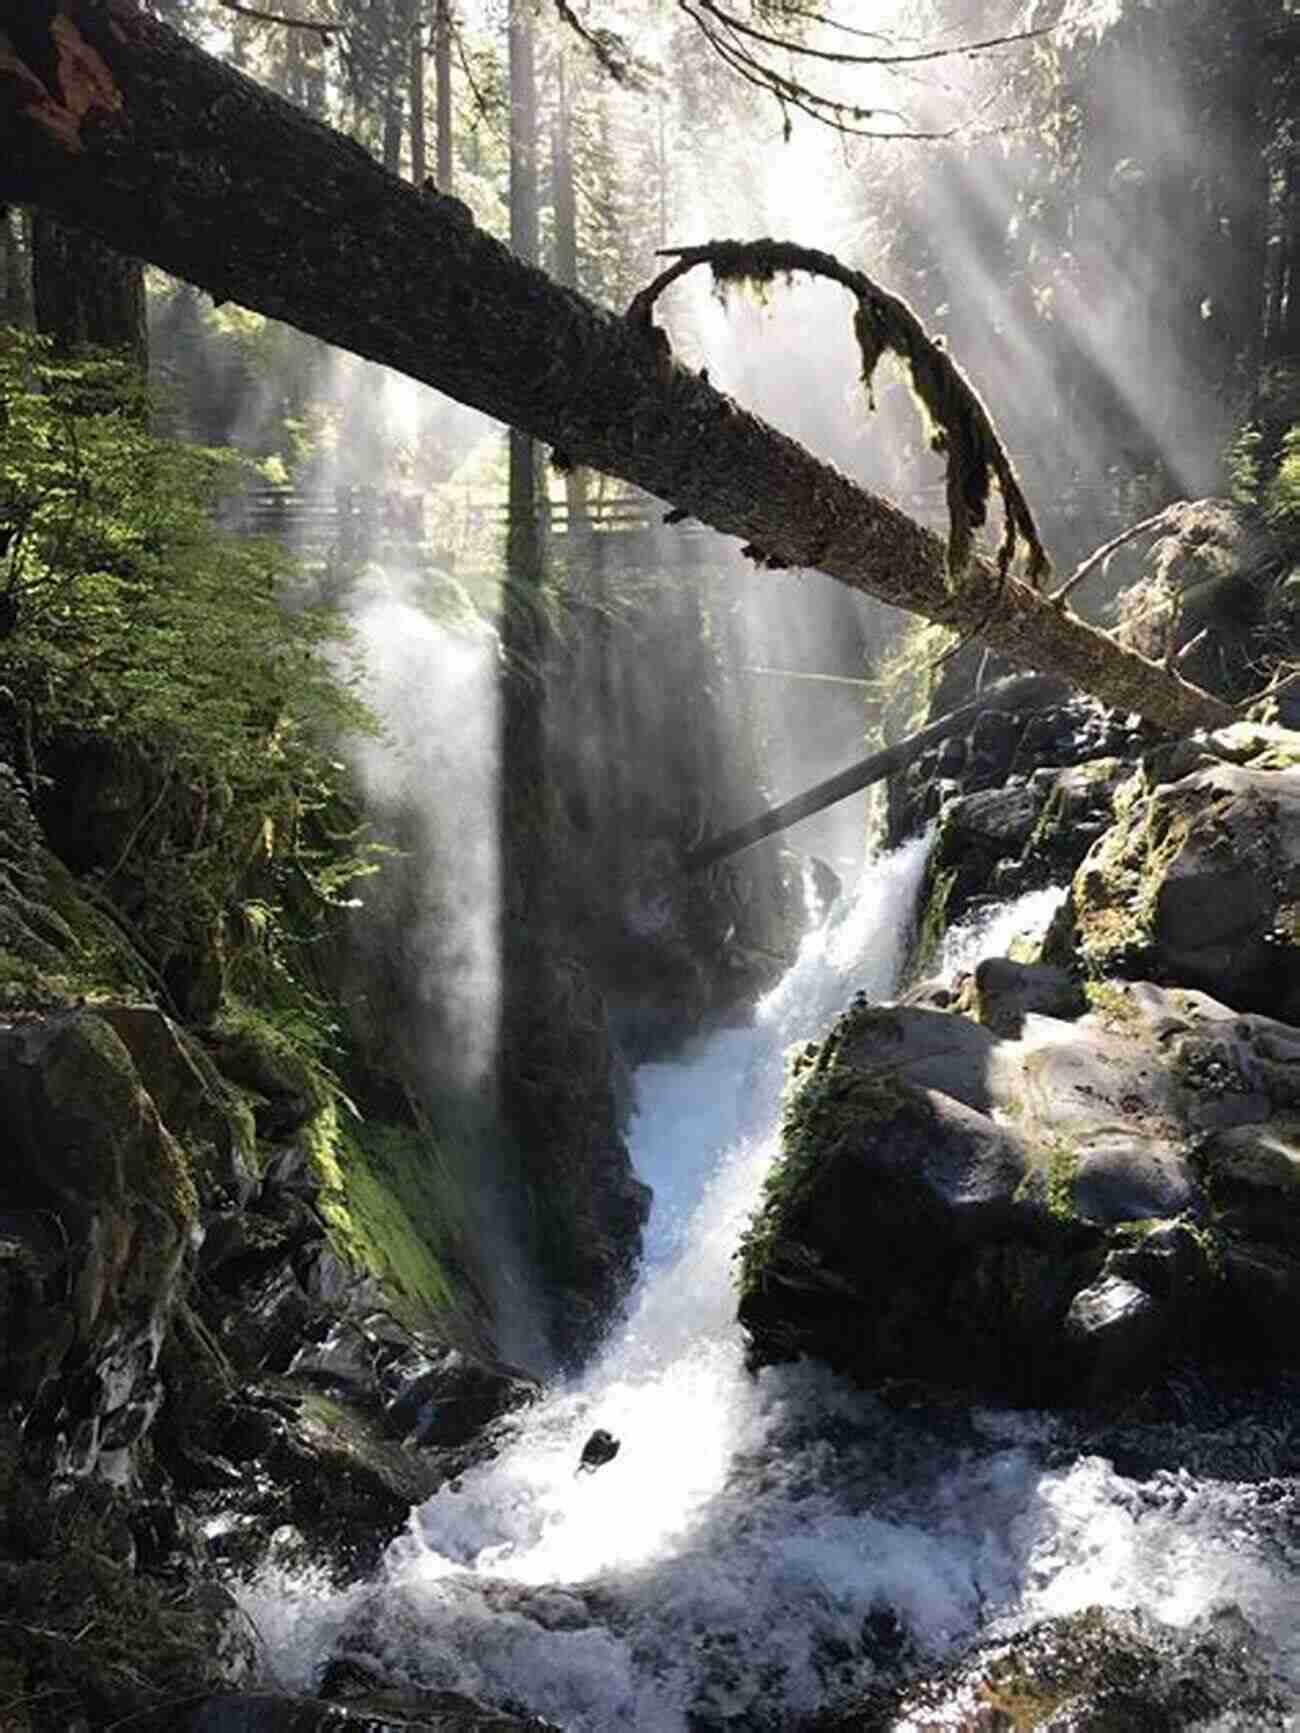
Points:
(1048, 1211)
(101, 1209)
(1096, 1671)
(1059, 1181)
(1032, 831)
(181, 1340)
(1198, 881)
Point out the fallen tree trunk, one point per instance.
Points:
(117, 123)
(1019, 690)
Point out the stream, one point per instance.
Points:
(761, 1546)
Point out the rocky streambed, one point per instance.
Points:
(1067, 1179)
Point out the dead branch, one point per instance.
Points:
(1101, 555)
(323, 28)
(960, 424)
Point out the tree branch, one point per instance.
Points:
(960, 425)
(1099, 556)
(324, 28)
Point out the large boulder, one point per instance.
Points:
(1054, 1209)
(1095, 1671)
(1198, 881)
(102, 1210)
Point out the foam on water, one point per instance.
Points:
(756, 1541)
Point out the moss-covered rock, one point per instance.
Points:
(1197, 882)
(281, 1086)
(214, 1123)
(57, 943)
(1057, 1209)
(898, 1237)
(90, 1157)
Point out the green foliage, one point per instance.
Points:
(1243, 465)
(1282, 496)
(137, 637)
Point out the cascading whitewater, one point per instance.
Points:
(758, 1546)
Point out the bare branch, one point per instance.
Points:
(745, 47)
(837, 57)
(326, 29)
(841, 116)
(1101, 555)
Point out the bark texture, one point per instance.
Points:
(116, 123)
(87, 294)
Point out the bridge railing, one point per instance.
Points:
(325, 517)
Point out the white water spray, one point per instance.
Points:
(434, 687)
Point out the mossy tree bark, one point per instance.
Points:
(112, 121)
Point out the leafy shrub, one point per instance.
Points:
(177, 724)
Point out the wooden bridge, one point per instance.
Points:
(619, 531)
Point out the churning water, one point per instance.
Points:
(760, 1545)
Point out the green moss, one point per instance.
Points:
(1050, 1181)
(1112, 1005)
(826, 1107)
(393, 1204)
(904, 681)
(1116, 896)
(934, 918)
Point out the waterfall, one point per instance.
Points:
(759, 1545)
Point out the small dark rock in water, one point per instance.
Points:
(600, 1448)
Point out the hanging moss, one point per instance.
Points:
(958, 423)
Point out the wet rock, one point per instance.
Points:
(1006, 992)
(1120, 1330)
(90, 1159)
(976, 831)
(1059, 1215)
(600, 1448)
(446, 1399)
(1097, 1671)
(331, 1471)
(373, 1710)
(1198, 882)
(266, 1329)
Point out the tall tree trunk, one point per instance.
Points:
(185, 162)
(1288, 322)
(419, 151)
(566, 272)
(442, 84)
(16, 282)
(530, 1072)
(392, 141)
(85, 293)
